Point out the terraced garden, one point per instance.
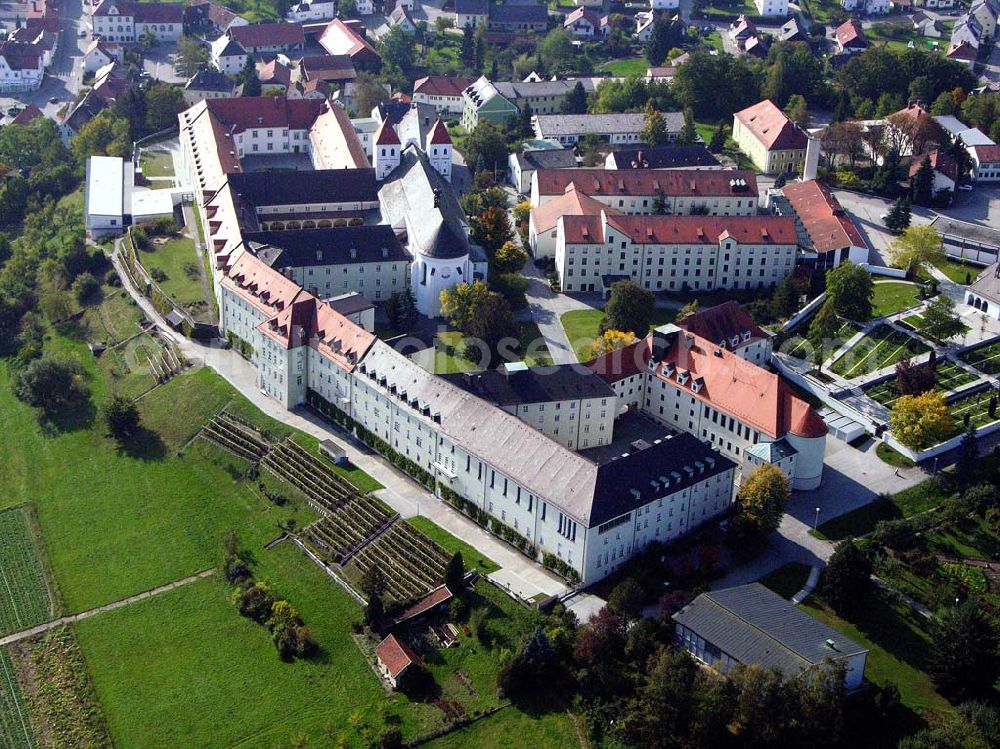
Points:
(985, 358)
(882, 347)
(24, 592)
(974, 405)
(802, 347)
(950, 376)
(412, 563)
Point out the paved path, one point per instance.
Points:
(809, 587)
(26, 633)
(545, 308)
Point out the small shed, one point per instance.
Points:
(394, 659)
(174, 319)
(334, 452)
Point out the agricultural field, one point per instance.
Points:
(950, 376)
(135, 366)
(472, 558)
(975, 406)
(412, 563)
(25, 595)
(894, 296)
(985, 358)
(15, 726)
(880, 348)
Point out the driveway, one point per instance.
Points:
(545, 307)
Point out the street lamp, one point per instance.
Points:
(816, 522)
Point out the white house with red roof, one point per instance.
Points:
(444, 93)
(770, 138)
(269, 38)
(21, 67)
(850, 37)
(126, 21)
(395, 658)
(674, 253)
(944, 167)
(100, 53)
(583, 23)
(985, 163)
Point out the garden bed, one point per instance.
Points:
(880, 348)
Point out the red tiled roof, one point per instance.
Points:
(584, 14)
(740, 388)
(721, 323)
(683, 229)
(851, 34)
(386, 135)
(987, 153)
(435, 598)
(31, 112)
(395, 655)
(825, 221)
(940, 162)
(631, 182)
(246, 112)
(622, 363)
(261, 285)
(442, 85)
(268, 34)
(913, 112)
(772, 127)
(20, 56)
(570, 203)
(439, 134)
(143, 12)
(962, 51)
(274, 73)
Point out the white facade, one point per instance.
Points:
(664, 4)
(228, 57)
(20, 79)
(317, 10)
(772, 7)
(104, 198)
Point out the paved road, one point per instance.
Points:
(26, 633)
(545, 307)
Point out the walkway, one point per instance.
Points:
(545, 308)
(26, 633)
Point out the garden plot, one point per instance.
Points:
(25, 599)
(882, 347)
(976, 406)
(135, 366)
(412, 563)
(15, 728)
(802, 347)
(985, 358)
(950, 377)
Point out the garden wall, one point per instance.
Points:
(881, 270)
(803, 313)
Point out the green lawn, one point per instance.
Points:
(157, 164)
(510, 728)
(582, 326)
(904, 504)
(179, 261)
(887, 455)
(898, 644)
(788, 579)
(976, 406)
(534, 348)
(893, 296)
(25, 599)
(472, 558)
(184, 669)
(626, 68)
(957, 270)
(950, 376)
(985, 358)
(448, 354)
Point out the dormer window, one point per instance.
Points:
(746, 335)
(682, 377)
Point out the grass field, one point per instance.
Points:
(157, 164)
(887, 455)
(178, 260)
(904, 504)
(513, 728)
(949, 377)
(15, 726)
(582, 326)
(472, 558)
(626, 68)
(880, 348)
(25, 599)
(898, 645)
(893, 296)
(985, 358)
(957, 270)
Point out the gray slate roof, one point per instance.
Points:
(407, 198)
(755, 625)
(553, 158)
(554, 125)
(533, 385)
(301, 248)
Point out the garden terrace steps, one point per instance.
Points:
(235, 437)
(412, 563)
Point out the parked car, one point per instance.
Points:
(53, 100)
(965, 188)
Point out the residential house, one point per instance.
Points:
(869, 7)
(312, 10)
(985, 163)
(395, 659)
(791, 31)
(331, 69)
(401, 17)
(772, 8)
(100, 53)
(207, 17)
(513, 17)
(269, 38)
(482, 101)
(967, 30)
(850, 38)
(644, 21)
(742, 29)
(524, 163)
(963, 52)
(228, 56)
(616, 129)
(944, 167)
(274, 75)
(27, 115)
(208, 84)
(583, 23)
(126, 21)
(986, 12)
(471, 13)
(774, 143)
(826, 231)
(444, 93)
(341, 38)
(752, 625)
(21, 67)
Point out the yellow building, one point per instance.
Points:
(773, 142)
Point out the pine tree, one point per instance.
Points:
(576, 102)
(968, 457)
(843, 109)
(884, 180)
(718, 141)
(249, 79)
(688, 134)
(898, 219)
(467, 51)
(655, 131)
(922, 189)
(524, 126)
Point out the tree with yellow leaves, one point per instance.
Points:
(919, 421)
(610, 340)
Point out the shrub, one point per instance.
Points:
(111, 278)
(190, 270)
(86, 289)
(158, 275)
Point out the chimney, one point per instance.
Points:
(811, 164)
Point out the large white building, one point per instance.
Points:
(22, 67)
(674, 253)
(105, 196)
(126, 21)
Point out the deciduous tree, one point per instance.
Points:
(919, 421)
(850, 289)
(121, 416)
(629, 308)
(847, 578)
(963, 654)
(760, 504)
